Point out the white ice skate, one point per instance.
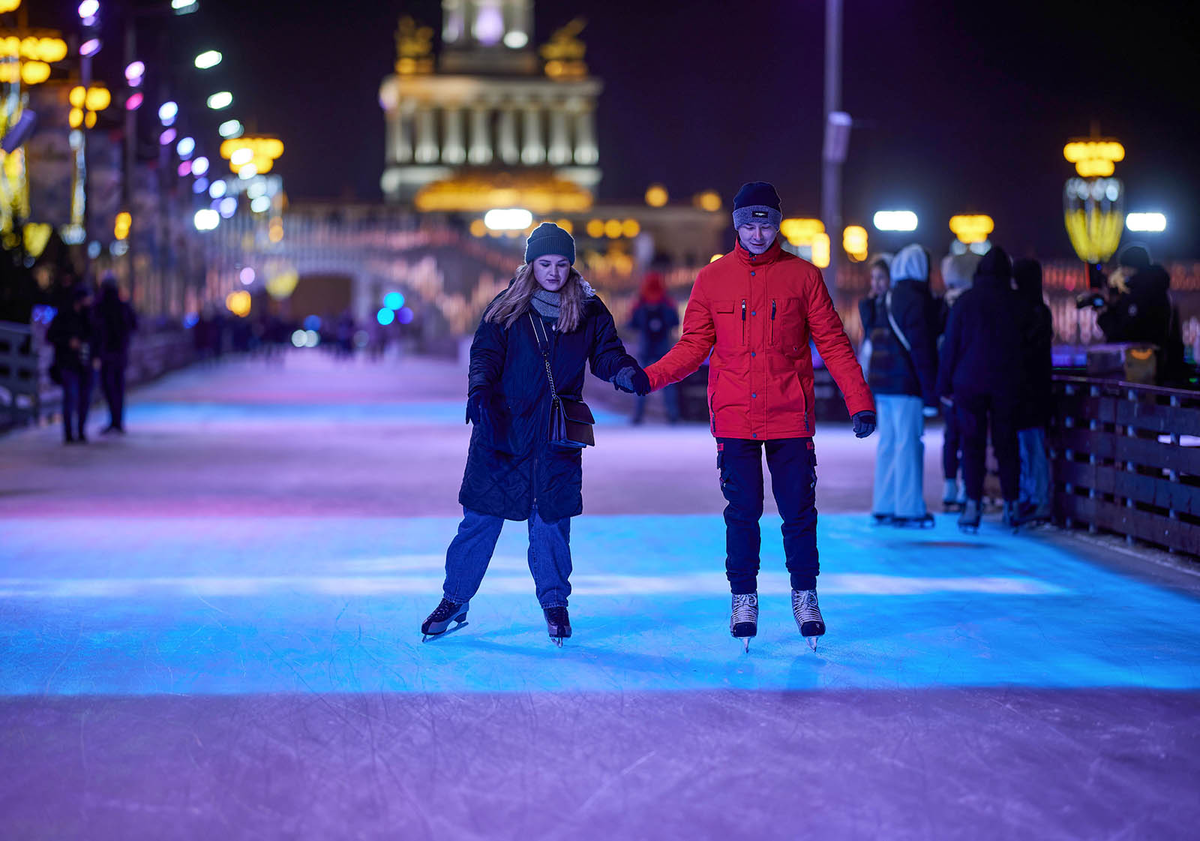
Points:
(743, 621)
(808, 615)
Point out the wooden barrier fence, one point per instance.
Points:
(1126, 459)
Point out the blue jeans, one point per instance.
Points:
(793, 466)
(1035, 468)
(899, 457)
(471, 551)
(77, 399)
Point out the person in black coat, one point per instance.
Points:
(1036, 407)
(981, 375)
(513, 471)
(115, 322)
(903, 329)
(957, 272)
(1142, 311)
(655, 318)
(70, 331)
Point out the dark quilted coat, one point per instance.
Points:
(512, 466)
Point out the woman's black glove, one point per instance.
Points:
(478, 408)
(632, 380)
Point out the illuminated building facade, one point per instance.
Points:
(489, 110)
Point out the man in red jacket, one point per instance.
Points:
(755, 310)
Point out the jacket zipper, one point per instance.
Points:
(772, 321)
(743, 321)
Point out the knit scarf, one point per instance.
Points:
(546, 303)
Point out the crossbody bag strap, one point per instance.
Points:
(543, 346)
(887, 302)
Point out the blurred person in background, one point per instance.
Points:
(74, 365)
(980, 376)
(1036, 407)
(957, 271)
(881, 280)
(114, 321)
(903, 378)
(655, 318)
(1140, 309)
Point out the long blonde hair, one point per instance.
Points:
(514, 302)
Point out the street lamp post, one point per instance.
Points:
(835, 122)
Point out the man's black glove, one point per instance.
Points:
(632, 380)
(864, 424)
(479, 408)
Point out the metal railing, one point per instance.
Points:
(1126, 459)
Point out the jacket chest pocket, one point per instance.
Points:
(729, 319)
(787, 324)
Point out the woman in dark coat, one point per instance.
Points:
(513, 472)
(70, 331)
(114, 322)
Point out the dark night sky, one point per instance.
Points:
(969, 104)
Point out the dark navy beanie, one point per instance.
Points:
(756, 201)
(548, 238)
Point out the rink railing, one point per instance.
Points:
(27, 396)
(1126, 460)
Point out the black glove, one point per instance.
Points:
(864, 424)
(478, 408)
(632, 380)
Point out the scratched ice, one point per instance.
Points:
(334, 605)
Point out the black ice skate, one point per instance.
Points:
(808, 616)
(743, 620)
(558, 624)
(968, 520)
(442, 616)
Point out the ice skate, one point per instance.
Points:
(1029, 513)
(445, 613)
(968, 520)
(1011, 518)
(925, 521)
(558, 624)
(808, 616)
(882, 519)
(743, 620)
(950, 498)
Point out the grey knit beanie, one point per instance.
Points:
(548, 238)
(757, 201)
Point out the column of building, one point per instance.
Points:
(522, 128)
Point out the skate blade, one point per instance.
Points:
(557, 641)
(746, 642)
(812, 643)
(448, 631)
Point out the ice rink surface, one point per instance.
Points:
(211, 627)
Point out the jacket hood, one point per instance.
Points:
(1027, 275)
(995, 269)
(959, 269)
(911, 263)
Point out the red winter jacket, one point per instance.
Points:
(756, 314)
